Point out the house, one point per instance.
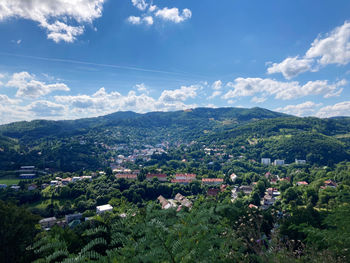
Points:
(32, 187)
(233, 177)
(75, 179)
(246, 189)
(185, 176)
(86, 177)
(273, 181)
(268, 200)
(183, 200)
(15, 187)
(223, 187)
(28, 168)
(165, 203)
(268, 175)
(286, 179)
(273, 192)
(251, 206)
(127, 176)
(103, 209)
(66, 181)
(330, 183)
(160, 177)
(302, 183)
(266, 161)
(213, 191)
(278, 162)
(181, 181)
(54, 182)
(300, 161)
(3, 186)
(48, 222)
(212, 181)
(27, 176)
(72, 217)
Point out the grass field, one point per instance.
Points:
(9, 180)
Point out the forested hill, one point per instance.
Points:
(320, 141)
(253, 133)
(181, 122)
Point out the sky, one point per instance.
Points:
(84, 58)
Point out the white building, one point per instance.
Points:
(75, 179)
(266, 161)
(104, 208)
(278, 162)
(233, 177)
(300, 161)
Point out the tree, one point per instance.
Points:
(17, 230)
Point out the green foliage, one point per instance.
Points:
(17, 230)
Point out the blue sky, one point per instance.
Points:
(61, 60)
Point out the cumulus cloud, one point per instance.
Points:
(53, 15)
(103, 102)
(142, 88)
(28, 87)
(173, 14)
(5, 100)
(217, 85)
(150, 12)
(258, 99)
(181, 94)
(140, 4)
(43, 108)
(304, 109)
(291, 67)
(339, 109)
(332, 48)
(135, 20)
(215, 94)
(152, 8)
(243, 87)
(148, 20)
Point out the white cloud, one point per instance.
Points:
(339, 109)
(217, 85)
(173, 15)
(140, 4)
(152, 8)
(258, 99)
(5, 100)
(304, 109)
(28, 87)
(243, 87)
(291, 67)
(148, 20)
(103, 102)
(142, 88)
(181, 94)
(215, 94)
(53, 15)
(135, 20)
(333, 48)
(150, 12)
(43, 108)
(19, 41)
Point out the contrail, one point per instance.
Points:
(98, 64)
